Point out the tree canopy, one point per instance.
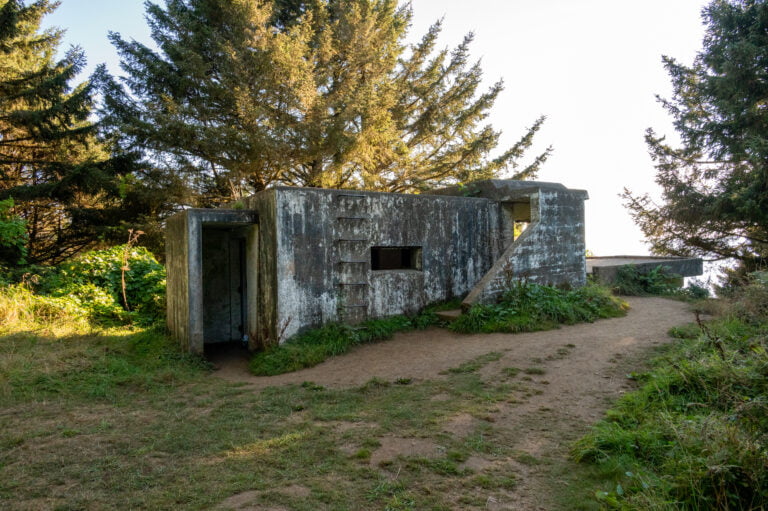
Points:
(241, 95)
(61, 180)
(715, 182)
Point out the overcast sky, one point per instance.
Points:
(593, 67)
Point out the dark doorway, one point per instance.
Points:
(224, 285)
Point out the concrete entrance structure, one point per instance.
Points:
(296, 258)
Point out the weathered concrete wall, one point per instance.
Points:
(264, 330)
(324, 252)
(177, 281)
(550, 251)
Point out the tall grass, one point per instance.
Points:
(64, 331)
(695, 435)
(23, 310)
(531, 307)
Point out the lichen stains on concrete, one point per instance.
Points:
(310, 260)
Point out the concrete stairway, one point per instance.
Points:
(450, 315)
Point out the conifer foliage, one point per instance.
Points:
(241, 95)
(50, 163)
(715, 184)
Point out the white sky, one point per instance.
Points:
(593, 67)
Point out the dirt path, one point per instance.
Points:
(580, 368)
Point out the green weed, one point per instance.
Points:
(531, 307)
(510, 372)
(475, 364)
(630, 281)
(314, 346)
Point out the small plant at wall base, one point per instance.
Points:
(530, 307)
(314, 346)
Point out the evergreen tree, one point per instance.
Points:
(242, 95)
(715, 185)
(50, 163)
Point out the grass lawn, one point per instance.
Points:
(119, 420)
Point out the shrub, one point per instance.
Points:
(87, 289)
(694, 291)
(529, 307)
(750, 301)
(630, 281)
(13, 235)
(144, 280)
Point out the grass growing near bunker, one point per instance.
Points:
(695, 436)
(530, 307)
(524, 308)
(118, 421)
(87, 365)
(315, 346)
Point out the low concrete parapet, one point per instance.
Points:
(605, 269)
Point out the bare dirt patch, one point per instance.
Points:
(249, 500)
(566, 379)
(425, 354)
(392, 447)
(460, 425)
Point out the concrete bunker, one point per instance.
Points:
(213, 257)
(297, 258)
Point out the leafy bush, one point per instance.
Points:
(530, 307)
(88, 288)
(102, 269)
(13, 235)
(696, 433)
(630, 281)
(693, 291)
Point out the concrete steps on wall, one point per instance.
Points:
(449, 316)
(351, 241)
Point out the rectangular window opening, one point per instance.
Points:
(395, 258)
